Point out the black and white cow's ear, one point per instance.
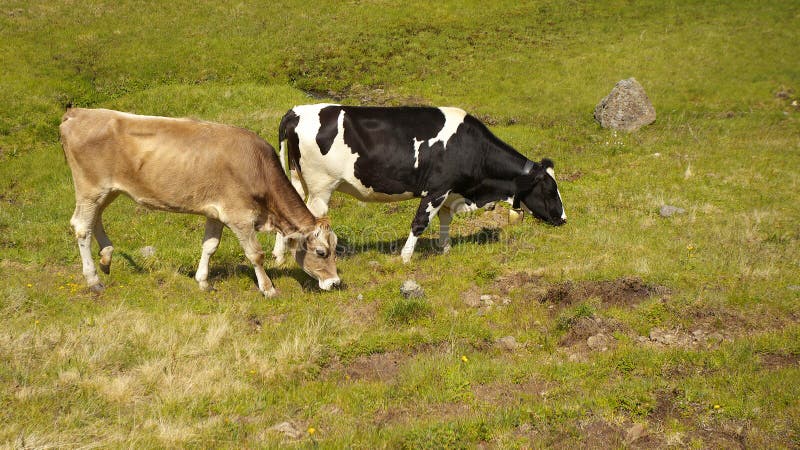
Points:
(547, 163)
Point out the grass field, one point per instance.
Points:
(621, 329)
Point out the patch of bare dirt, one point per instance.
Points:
(408, 414)
(570, 177)
(775, 361)
(718, 318)
(515, 280)
(622, 291)
(359, 312)
(510, 393)
(585, 327)
(374, 367)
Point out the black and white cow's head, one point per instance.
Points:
(538, 192)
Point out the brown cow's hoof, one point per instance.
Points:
(97, 288)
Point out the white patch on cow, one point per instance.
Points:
(453, 117)
(408, 249)
(552, 173)
(336, 169)
(423, 194)
(416, 152)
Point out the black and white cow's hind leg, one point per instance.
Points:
(445, 218)
(428, 207)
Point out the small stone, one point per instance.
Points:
(472, 301)
(509, 343)
(287, 429)
(485, 297)
(360, 297)
(410, 289)
(669, 210)
(634, 433)
(147, 252)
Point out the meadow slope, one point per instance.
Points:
(621, 329)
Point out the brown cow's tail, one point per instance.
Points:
(64, 126)
(286, 133)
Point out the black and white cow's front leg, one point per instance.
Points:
(428, 207)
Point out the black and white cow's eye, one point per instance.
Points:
(320, 252)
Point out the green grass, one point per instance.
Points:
(154, 362)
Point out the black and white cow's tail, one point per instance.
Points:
(282, 143)
(285, 129)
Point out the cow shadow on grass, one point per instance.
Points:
(426, 246)
(229, 270)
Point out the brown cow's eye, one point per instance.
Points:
(321, 253)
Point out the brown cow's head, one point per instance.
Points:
(315, 252)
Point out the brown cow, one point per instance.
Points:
(227, 174)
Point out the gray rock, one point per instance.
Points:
(626, 108)
(287, 429)
(147, 252)
(599, 342)
(662, 337)
(669, 210)
(633, 433)
(360, 297)
(410, 289)
(508, 343)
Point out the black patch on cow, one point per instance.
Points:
(286, 131)
(384, 140)
(329, 121)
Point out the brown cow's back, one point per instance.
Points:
(179, 165)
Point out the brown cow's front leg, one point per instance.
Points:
(211, 239)
(254, 252)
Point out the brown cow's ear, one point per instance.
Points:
(324, 223)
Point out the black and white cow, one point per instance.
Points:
(444, 156)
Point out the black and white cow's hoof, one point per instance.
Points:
(205, 286)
